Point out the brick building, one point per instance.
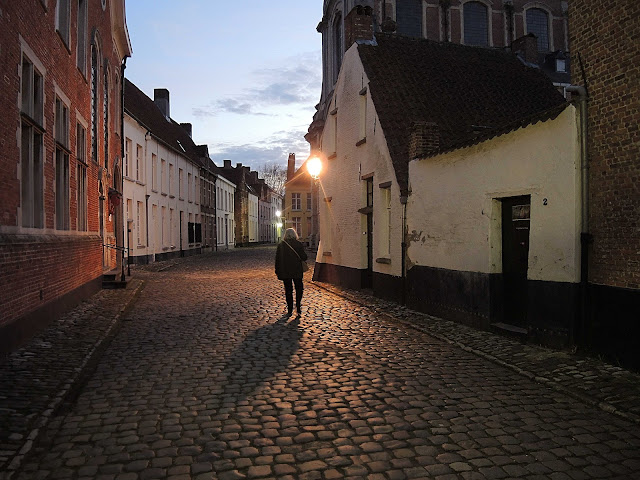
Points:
(536, 31)
(300, 206)
(60, 172)
(604, 40)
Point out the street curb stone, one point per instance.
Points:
(603, 377)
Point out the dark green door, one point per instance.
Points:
(515, 258)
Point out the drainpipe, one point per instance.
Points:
(125, 226)
(585, 236)
(403, 201)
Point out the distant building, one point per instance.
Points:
(162, 186)
(225, 212)
(298, 202)
(61, 215)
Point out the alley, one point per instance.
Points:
(205, 379)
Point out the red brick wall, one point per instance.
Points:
(606, 35)
(35, 260)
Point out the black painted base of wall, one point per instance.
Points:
(614, 326)
(18, 332)
(384, 286)
(162, 257)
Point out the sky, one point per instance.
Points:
(247, 74)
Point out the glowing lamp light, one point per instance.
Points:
(314, 167)
(278, 213)
(279, 224)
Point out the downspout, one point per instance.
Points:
(585, 236)
(125, 224)
(403, 202)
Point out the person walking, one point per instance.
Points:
(289, 257)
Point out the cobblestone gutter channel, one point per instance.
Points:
(608, 387)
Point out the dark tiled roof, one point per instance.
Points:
(470, 93)
(145, 111)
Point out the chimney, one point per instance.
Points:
(358, 25)
(254, 177)
(188, 128)
(227, 163)
(291, 166)
(526, 48)
(239, 165)
(425, 139)
(161, 99)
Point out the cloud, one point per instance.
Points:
(297, 82)
(270, 150)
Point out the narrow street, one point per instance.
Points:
(205, 379)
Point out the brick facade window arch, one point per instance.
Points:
(95, 81)
(476, 23)
(105, 114)
(538, 23)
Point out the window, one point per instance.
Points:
(139, 165)
(140, 234)
(385, 228)
(81, 177)
(309, 201)
(538, 24)
(31, 133)
(94, 103)
(118, 109)
(171, 236)
(409, 18)
(154, 171)
(338, 44)
(81, 49)
(62, 165)
(171, 187)
(163, 175)
(105, 117)
(297, 225)
(370, 192)
(295, 201)
(363, 116)
(189, 187)
(164, 226)
(127, 156)
(476, 24)
(62, 20)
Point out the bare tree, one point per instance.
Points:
(274, 175)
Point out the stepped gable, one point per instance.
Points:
(469, 93)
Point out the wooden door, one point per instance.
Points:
(515, 258)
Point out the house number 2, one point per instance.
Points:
(544, 201)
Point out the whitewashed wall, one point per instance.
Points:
(341, 225)
(454, 217)
(138, 184)
(225, 195)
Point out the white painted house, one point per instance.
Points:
(425, 146)
(225, 211)
(161, 181)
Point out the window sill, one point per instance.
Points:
(385, 260)
(172, 196)
(163, 194)
(154, 190)
(361, 141)
(181, 199)
(332, 156)
(140, 247)
(326, 254)
(140, 183)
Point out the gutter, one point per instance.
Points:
(585, 237)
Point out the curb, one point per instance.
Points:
(604, 406)
(69, 387)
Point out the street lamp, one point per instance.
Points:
(314, 167)
(279, 224)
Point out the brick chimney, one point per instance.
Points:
(227, 163)
(188, 128)
(291, 166)
(425, 139)
(254, 177)
(358, 25)
(526, 48)
(161, 99)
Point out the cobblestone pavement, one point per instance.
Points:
(205, 379)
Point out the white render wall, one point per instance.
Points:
(341, 179)
(163, 236)
(454, 217)
(225, 195)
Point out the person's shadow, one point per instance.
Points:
(263, 353)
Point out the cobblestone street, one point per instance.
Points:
(204, 378)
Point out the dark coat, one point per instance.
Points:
(288, 265)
